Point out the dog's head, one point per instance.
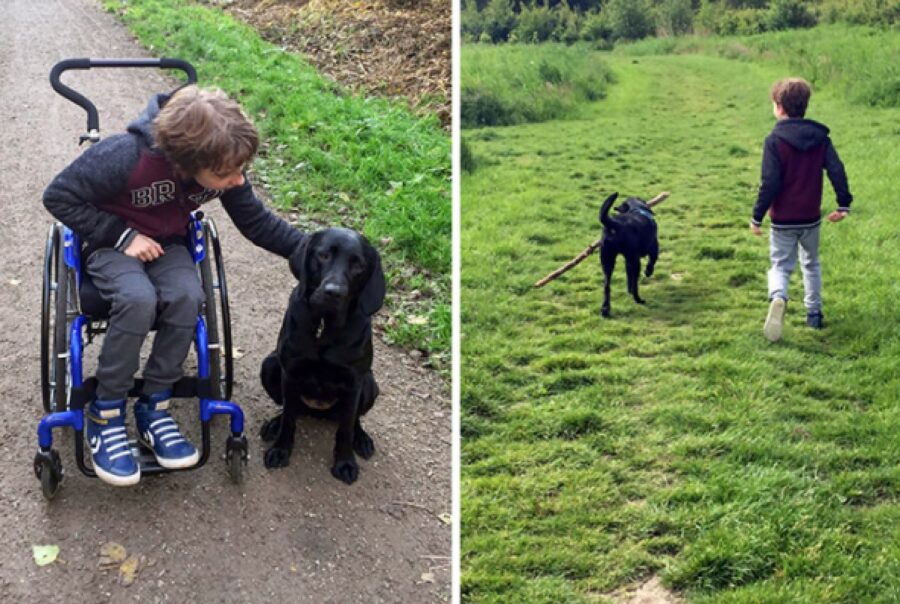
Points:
(633, 204)
(339, 272)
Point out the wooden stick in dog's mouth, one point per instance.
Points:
(658, 199)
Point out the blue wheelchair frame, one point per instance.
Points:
(47, 464)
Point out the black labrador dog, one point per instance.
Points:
(631, 233)
(322, 365)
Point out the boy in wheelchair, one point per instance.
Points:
(129, 197)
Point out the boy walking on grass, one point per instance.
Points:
(129, 198)
(794, 156)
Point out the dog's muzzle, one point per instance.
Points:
(317, 404)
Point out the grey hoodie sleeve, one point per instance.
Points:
(77, 193)
(838, 177)
(770, 180)
(259, 224)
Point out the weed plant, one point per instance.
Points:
(359, 161)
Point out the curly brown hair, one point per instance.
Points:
(792, 94)
(201, 129)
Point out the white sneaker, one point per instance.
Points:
(774, 320)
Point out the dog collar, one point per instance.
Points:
(646, 213)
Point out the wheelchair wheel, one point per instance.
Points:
(49, 470)
(217, 315)
(54, 323)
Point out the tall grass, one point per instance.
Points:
(360, 161)
(858, 62)
(514, 84)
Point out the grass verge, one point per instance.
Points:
(365, 163)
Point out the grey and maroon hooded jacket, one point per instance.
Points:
(794, 156)
(124, 185)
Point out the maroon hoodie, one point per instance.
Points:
(794, 156)
(123, 186)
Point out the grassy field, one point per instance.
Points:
(673, 439)
(361, 162)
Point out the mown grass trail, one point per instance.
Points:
(673, 439)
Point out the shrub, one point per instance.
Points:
(467, 160)
(479, 107)
(567, 24)
(596, 28)
(676, 17)
(629, 19)
(535, 24)
(789, 14)
(498, 20)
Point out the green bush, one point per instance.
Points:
(630, 19)
(788, 14)
(860, 12)
(480, 107)
(498, 20)
(596, 27)
(535, 24)
(467, 161)
(676, 17)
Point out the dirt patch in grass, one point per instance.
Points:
(391, 48)
(650, 592)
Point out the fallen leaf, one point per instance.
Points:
(427, 577)
(677, 276)
(111, 555)
(128, 571)
(417, 320)
(15, 281)
(237, 352)
(446, 518)
(44, 554)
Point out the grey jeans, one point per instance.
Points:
(784, 245)
(167, 292)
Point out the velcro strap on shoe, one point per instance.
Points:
(108, 413)
(161, 405)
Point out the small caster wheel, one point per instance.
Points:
(236, 457)
(48, 468)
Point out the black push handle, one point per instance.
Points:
(93, 119)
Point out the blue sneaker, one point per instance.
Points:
(159, 432)
(107, 437)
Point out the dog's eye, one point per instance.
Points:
(323, 255)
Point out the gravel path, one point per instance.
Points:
(293, 535)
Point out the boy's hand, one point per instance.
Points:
(837, 216)
(755, 229)
(144, 249)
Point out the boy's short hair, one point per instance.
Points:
(793, 95)
(204, 129)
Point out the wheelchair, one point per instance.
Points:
(73, 313)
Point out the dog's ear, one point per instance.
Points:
(372, 295)
(297, 259)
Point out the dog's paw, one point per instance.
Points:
(277, 458)
(270, 429)
(363, 444)
(345, 470)
(604, 312)
(648, 272)
(639, 300)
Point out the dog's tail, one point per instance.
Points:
(604, 211)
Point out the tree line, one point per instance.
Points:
(603, 22)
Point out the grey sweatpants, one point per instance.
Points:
(784, 245)
(166, 291)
